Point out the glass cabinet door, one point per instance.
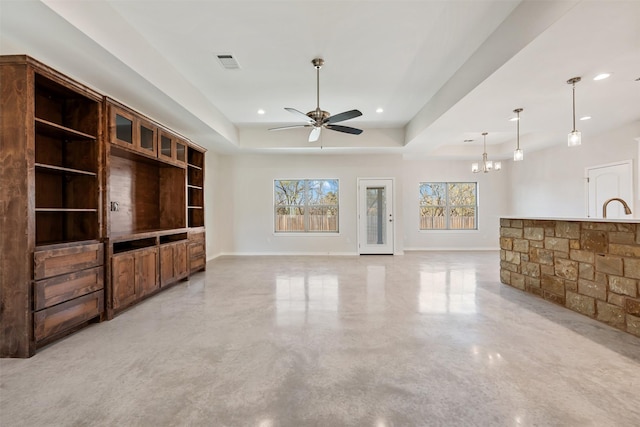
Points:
(147, 138)
(166, 147)
(181, 152)
(123, 129)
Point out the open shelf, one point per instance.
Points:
(195, 158)
(195, 187)
(151, 195)
(64, 210)
(66, 163)
(63, 111)
(55, 225)
(58, 131)
(59, 169)
(132, 245)
(171, 238)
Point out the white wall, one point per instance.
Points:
(492, 201)
(548, 183)
(245, 199)
(247, 221)
(214, 202)
(551, 182)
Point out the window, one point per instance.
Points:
(306, 205)
(448, 206)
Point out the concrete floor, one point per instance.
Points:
(423, 339)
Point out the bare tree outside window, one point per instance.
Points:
(448, 206)
(306, 205)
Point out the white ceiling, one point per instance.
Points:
(442, 70)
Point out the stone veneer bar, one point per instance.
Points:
(592, 267)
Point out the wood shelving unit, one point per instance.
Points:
(102, 206)
(195, 187)
(55, 270)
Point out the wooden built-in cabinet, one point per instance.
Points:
(100, 207)
(68, 288)
(131, 131)
(197, 250)
(141, 266)
(195, 209)
(51, 275)
(172, 148)
(148, 215)
(134, 271)
(195, 186)
(173, 258)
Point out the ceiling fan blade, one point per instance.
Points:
(345, 129)
(290, 127)
(300, 114)
(343, 116)
(315, 134)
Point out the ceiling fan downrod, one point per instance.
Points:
(319, 114)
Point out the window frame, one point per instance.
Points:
(306, 209)
(447, 208)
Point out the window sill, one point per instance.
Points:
(475, 230)
(308, 234)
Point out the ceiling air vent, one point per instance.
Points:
(228, 61)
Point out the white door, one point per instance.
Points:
(605, 182)
(375, 216)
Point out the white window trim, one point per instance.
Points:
(304, 233)
(451, 230)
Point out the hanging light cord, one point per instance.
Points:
(574, 106)
(518, 129)
(484, 136)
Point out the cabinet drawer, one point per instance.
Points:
(193, 237)
(196, 249)
(67, 315)
(62, 288)
(54, 262)
(197, 263)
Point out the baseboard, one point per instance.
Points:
(397, 253)
(442, 249)
(288, 254)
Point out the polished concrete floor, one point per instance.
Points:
(423, 339)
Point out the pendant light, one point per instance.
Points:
(487, 165)
(575, 137)
(518, 154)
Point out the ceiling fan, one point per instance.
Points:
(318, 119)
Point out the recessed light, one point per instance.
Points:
(514, 119)
(466, 141)
(379, 110)
(602, 76)
(585, 118)
(261, 111)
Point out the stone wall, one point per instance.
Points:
(589, 267)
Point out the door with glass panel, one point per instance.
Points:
(375, 216)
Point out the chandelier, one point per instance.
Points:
(486, 165)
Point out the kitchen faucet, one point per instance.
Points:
(627, 210)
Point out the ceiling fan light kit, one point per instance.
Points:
(318, 118)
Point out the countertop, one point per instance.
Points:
(539, 218)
